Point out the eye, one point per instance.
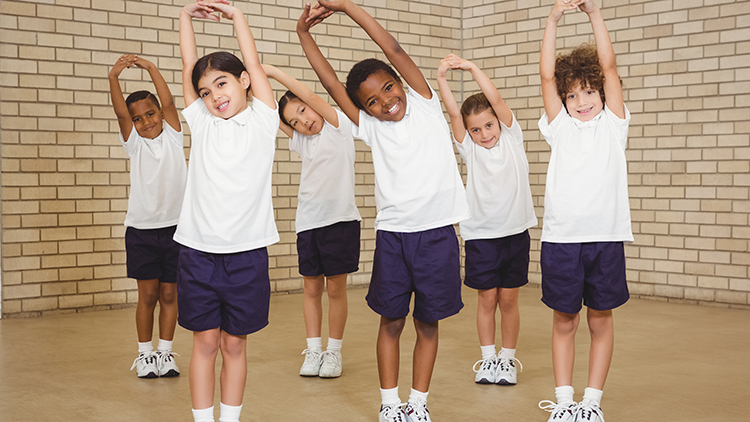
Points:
(150, 114)
(203, 94)
(474, 130)
(302, 111)
(388, 87)
(294, 123)
(137, 119)
(571, 96)
(222, 83)
(590, 92)
(371, 103)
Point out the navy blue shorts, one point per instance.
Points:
(329, 250)
(594, 272)
(426, 263)
(228, 291)
(501, 262)
(152, 254)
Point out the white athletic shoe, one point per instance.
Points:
(417, 411)
(145, 365)
(589, 412)
(311, 366)
(487, 371)
(507, 373)
(166, 365)
(560, 412)
(331, 365)
(394, 413)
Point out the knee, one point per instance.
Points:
(565, 323)
(232, 346)
(487, 300)
(600, 322)
(508, 303)
(168, 295)
(392, 327)
(206, 345)
(426, 330)
(314, 287)
(148, 297)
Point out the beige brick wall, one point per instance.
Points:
(64, 174)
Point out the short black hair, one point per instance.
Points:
(221, 61)
(360, 72)
(141, 95)
(283, 102)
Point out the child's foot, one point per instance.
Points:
(166, 365)
(417, 411)
(589, 412)
(507, 373)
(311, 366)
(145, 365)
(394, 413)
(560, 412)
(486, 373)
(330, 366)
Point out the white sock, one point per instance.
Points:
(564, 394)
(334, 345)
(507, 353)
(203, 415)
(592, 395)
(164, 345)
(417, 395)
(389, 397)
(145, 348)
(488, 351)
(229, 413)
(315, 344)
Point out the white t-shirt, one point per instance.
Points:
(326, 187)
(417, 184)
(157, 178)
(228, 205)
(586, 199)
(497, 186)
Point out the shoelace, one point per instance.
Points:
(420, 410)
(394, 413)
(144, 357)
(503, 361)
(311, 354)
(484, 364)
(331, 358)
(558, 409)
(167, 356)
(587, 411)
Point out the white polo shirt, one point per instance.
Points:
(417, 184)
(586, 198)
(497, 186)
(228, 205)
(157, 178)
(326, 187)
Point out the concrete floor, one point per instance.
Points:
(673, 362)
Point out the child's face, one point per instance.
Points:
(583, 102)
(223, 94)
(484, 128)
(147, 118)
(302, 117)
(383, 97)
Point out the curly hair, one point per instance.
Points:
(580, 66)
(142, 95)
(360, 72)
(283, 102)
(475, 104)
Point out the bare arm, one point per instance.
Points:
(168, 107)
(446, 95)
(115, 91)
(305, 94)
(552, 102)
(188, 49)
(490, 91)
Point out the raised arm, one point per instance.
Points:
(323, 69)
(305, 94)
(446, 95)
(490, 91)
(612, 86)
(552, 102)
(168, 108)
(188, 49)
(115, 91)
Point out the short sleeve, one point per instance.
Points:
(432, 105)
(550, 130)
(294, 142)
(132, 143)
(269, 118)
(514, 131)
(466, 147)
(361, 131)
(194, 112)
(173, 136)
(619, 126)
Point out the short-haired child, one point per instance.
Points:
(497, 241)
(227, 217)
(157, 185)
(419, 195)
(586, 210)
(327, 222)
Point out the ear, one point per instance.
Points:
(245, 80)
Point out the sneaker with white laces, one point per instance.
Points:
(560, 412)
(417, 411)
(331, 365)
(507, 373)
(589, 412)
(393, 413)
(486, 372)
(145, 365)
(166, 365)
(311, 366)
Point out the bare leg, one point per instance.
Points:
(510, 322)
(425, 353)
(388, 349)
(602, 332)
(312, 308)
(233, 369)
(486, 308)
(202, 367)
(148, 295)
(564, 327)
(338, 307)
(167, 310)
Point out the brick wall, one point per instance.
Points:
(64, 174)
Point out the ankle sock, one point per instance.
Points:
(229, 413)
(389, 396)
(592, 395)
(564, 394)
(315, 344)
(417, 395)
(145, 348)
(203, 415)
(488, 351)
(334, 345)
(164, 345)
(507, 353)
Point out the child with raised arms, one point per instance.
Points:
(496, 237)
(227, 217)
(419, 196)
(327, 220)
(157, 186)
(586, 209)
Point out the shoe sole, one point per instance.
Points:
(308, 375)
(330, 375)
(149, 375)
(484, 381)
(505, 382)
(171, 373)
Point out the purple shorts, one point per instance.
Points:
(594, 272)
(329, 250)
(426, 263)
(152, 254)
(229, 291)
(501, 262)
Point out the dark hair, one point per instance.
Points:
(360, 72)
(580, 66)
(283, 102)
(476, 104)
(142, 95)
(221, 61)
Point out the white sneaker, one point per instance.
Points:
(330, 366)
(589, 412)
(311, 366)
(146, 365)
(507, 373)
(417, 411)
(486, 372)
(393, 413)
(166, 365)
(560, 412)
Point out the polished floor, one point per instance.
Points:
(673, 362)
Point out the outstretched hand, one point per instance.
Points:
(587, 6)
(312, 16)
(205, 9)
(125, 61)
(562, 6)
(453, 61)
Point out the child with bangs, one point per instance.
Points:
(227, 216)
(327, 222)
(419, 196)
(586, 208)
(496, 236)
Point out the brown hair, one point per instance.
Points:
(475, 104)
(581, 66)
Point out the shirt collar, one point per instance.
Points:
(241, 118)
(591, 123)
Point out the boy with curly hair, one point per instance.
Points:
(587, 214)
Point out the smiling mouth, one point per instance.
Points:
(223, 106)
(395, 108)
(586, 111)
